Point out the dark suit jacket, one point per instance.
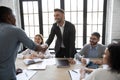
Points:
(68, 38)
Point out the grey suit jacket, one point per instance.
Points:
(68, 38)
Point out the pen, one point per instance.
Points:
(74, 71)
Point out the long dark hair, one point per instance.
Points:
(114, 58)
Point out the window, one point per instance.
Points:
(94, 17)
(48, 17)
(74, 14)
(30, 18)
(37, 16)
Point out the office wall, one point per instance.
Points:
(14, 5)
(8, 3)
(109, 17)
(113, 20)
(116, 20)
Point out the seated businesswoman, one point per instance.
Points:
(111, 58)
(30, 54)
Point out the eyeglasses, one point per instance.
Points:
(94, 39)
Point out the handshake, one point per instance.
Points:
(44, 47)
(41, 48)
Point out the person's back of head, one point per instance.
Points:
(4, 11)
(114, 57)
(6, 15)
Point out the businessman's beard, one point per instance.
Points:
(93, 43)
(58, 20)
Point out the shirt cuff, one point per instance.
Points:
(87, 61)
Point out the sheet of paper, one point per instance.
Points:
(37, 66)
(25, 75)
(49, 61)
(75, 74)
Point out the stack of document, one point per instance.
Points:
(25, 75)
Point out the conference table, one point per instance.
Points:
(51, 72)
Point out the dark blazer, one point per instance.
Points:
(68, 38)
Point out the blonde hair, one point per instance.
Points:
(40, 35)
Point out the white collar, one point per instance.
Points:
(62, 25)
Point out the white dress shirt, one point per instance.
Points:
(62, 30)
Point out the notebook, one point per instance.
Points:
(63, 63)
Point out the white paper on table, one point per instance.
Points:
(75, 74)
(105, 66)
(50, 61)
(37, 66)
(25, 75)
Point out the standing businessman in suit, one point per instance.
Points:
(65, 33)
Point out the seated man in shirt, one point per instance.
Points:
(30, 54)
(92, 50)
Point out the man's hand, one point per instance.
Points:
(82, 72)
(44, 47)
(33, 55)
(41, 48)
(71, 60)
(41, 56)
(83, 61)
